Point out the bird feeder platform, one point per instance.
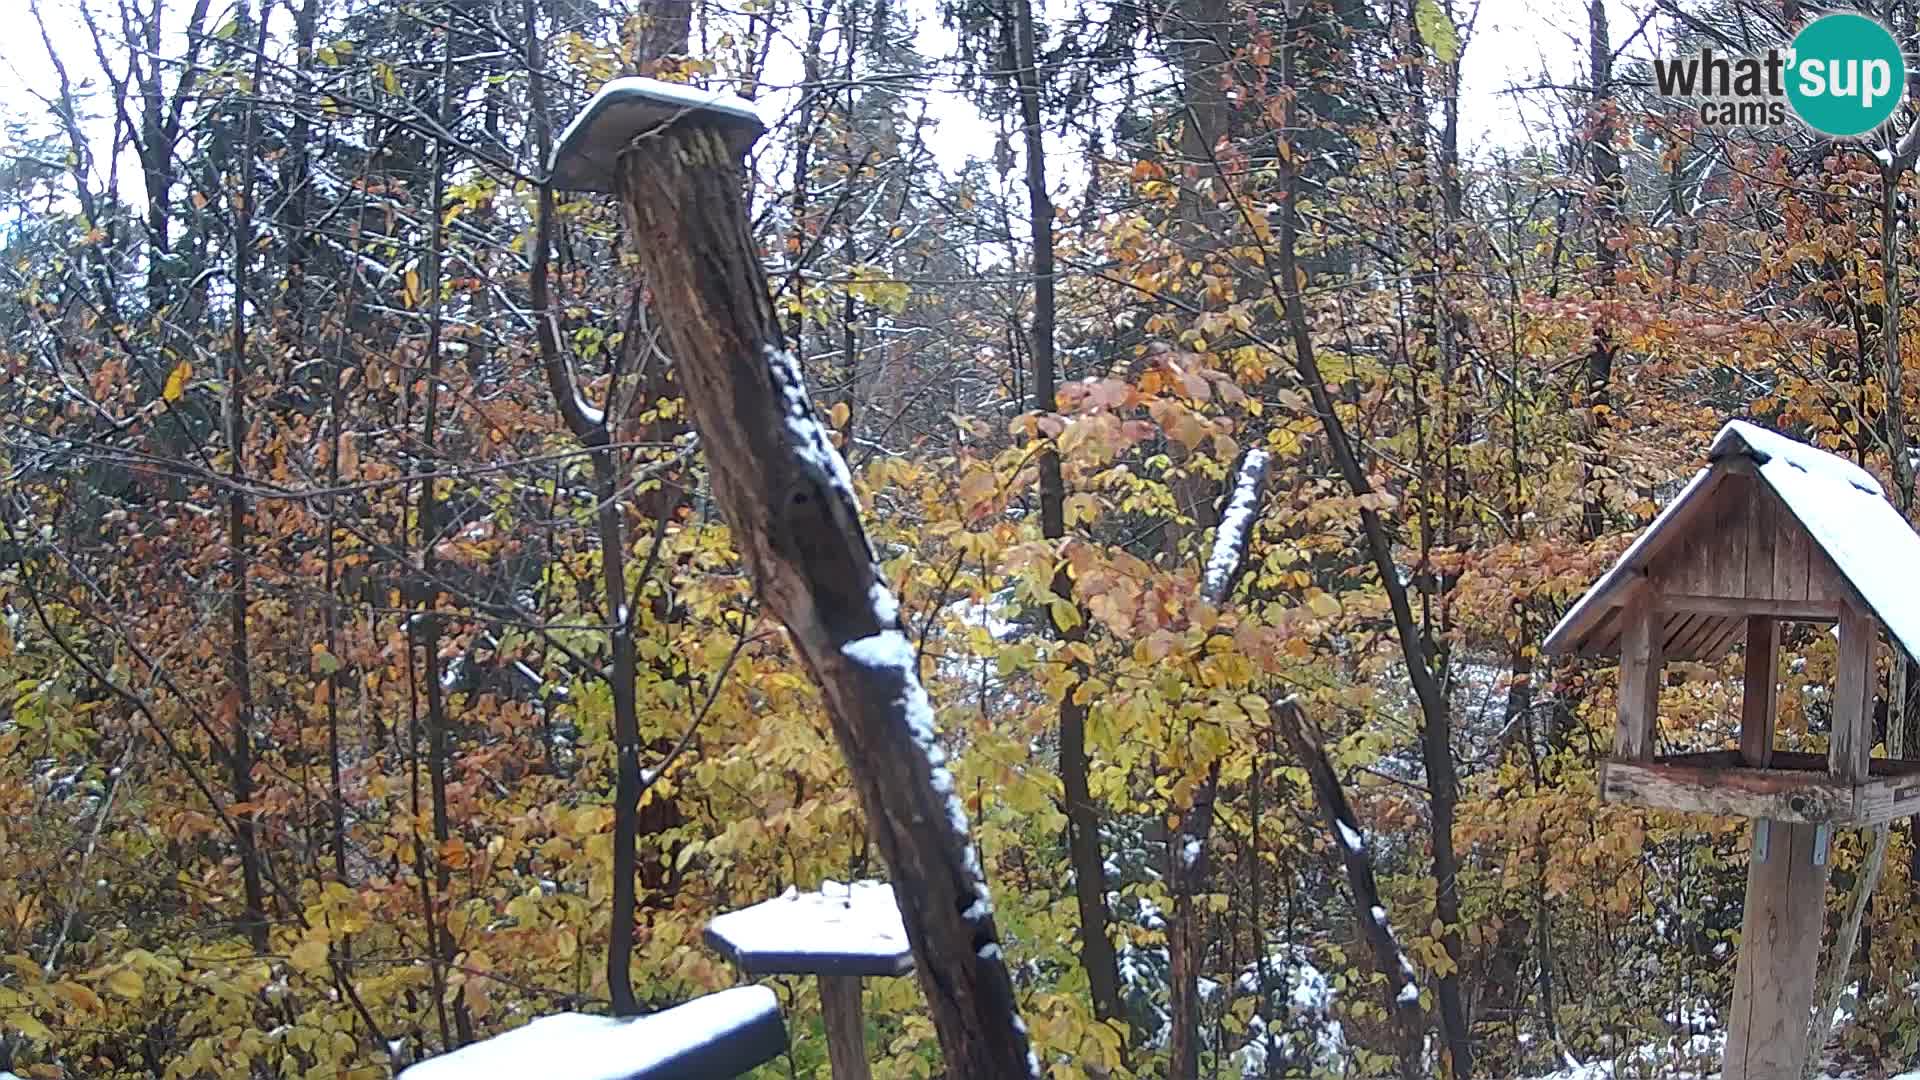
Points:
(839, 933)
(722, 1034)
(1796, 788)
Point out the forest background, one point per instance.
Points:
(379, 675)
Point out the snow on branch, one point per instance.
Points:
(1230, 542)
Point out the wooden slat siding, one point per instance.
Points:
(1789, 553)
(1779, 949)
(1730, 537)
(1604, 637)
(1760, 692)
(1673, 631)
(1640, 663)
(1797, 610)
(1851, 743)
(1732, 631)
(1693, 646)
(1825, 578)
(1580, 637)
(1824, 582)
(1728, 790)
(1760, 543)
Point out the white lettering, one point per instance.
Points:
(1878, 81)
(1813, 77)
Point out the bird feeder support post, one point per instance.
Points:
(846, 1027)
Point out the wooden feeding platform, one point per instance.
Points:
(1771, 531)
(719, 1035)
(1792, 787)
(839, 933)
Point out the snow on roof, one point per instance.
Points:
(1842, 507)
(839, 929)
(1848, 515)
(719, 1035)
(584, 158)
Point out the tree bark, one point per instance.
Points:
(1436, 748)
(1606, 259)
(786, 493)
(1187, 847)
(1083, 817)
(239, 667)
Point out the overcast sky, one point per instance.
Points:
(1513, 43)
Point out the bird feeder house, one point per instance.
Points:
(1771, 531)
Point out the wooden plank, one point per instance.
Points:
(1675, 630)
(1731, 630)
(1824, 582)
(1760, 691)
(1881, 800)
(1693, 645)
(1760, 538)
(1789, 556)
(1742, 606)
(1729, 791)
(846, 1027)
(1730, 537)
(1780, 934)
(1640, 663)
(1851, 743)
(1798, 761)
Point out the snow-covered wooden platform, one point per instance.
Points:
(713, 1037)
(839, 929)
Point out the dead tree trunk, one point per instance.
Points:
(1402, 991)
(1187, 849)
(786, 493)
(1083, 816)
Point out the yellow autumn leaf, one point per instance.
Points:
(1323, 605)
(309, 955)
(839, 414)
(127, 983)
(177, 381)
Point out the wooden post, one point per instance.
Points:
(1640, 664)
(1851, 743)
(846, 1027)
(1779, 951)
(1760, 693)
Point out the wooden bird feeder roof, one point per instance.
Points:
(1770, 527)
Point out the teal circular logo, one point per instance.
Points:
(1846, 76)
